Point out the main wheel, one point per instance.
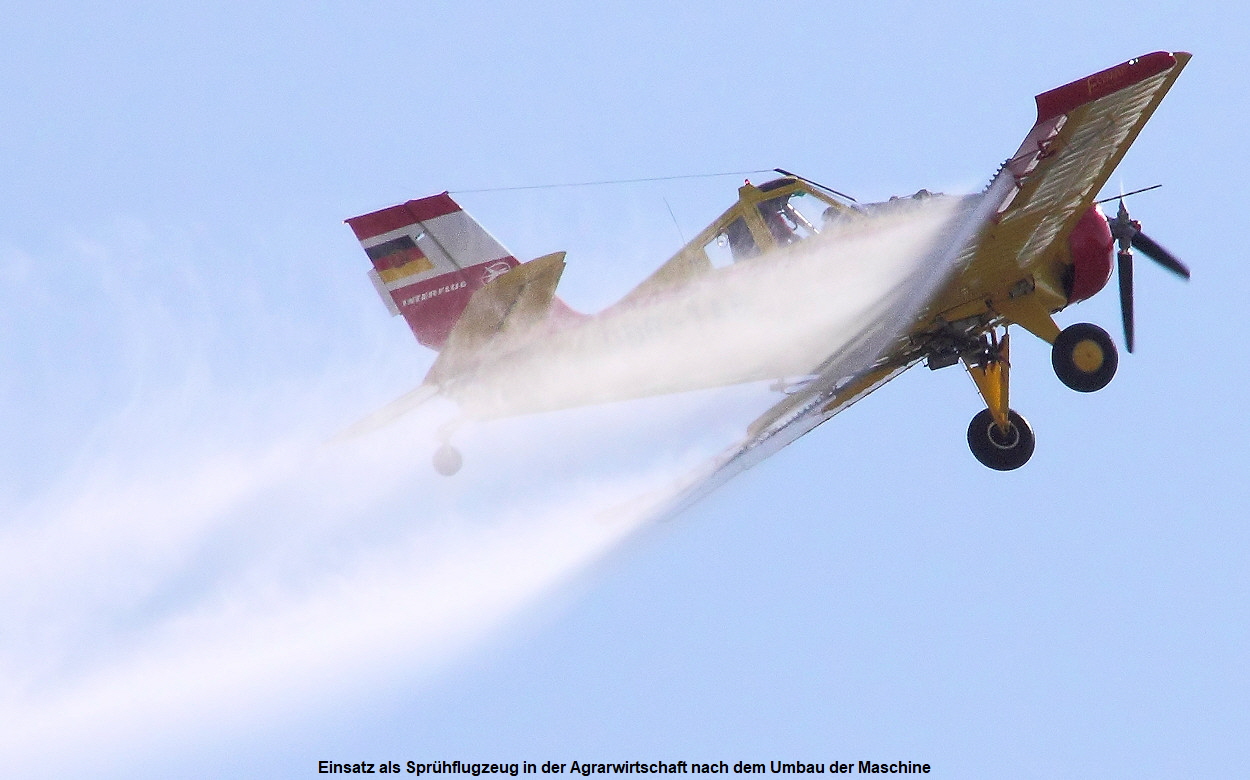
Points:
(1084, 357)
(996, 449)
(447, 460)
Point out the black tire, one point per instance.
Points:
(996, 450)
(1084, 357)
(447, 460)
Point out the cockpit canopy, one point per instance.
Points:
(772, 215)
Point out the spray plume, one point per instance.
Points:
(182, 581)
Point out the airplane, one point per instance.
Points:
(1032, 243)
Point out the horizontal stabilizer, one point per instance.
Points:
(502, 312)
(389, 413)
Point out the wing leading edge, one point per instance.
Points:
(850, 374)
(1082, 131)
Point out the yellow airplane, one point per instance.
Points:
(1033, 242)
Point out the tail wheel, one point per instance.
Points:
(999, 450)
(447, 460)
(1084, 357)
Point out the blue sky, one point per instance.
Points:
(184, 314)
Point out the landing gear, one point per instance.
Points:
(1084, 357)
(998, 436)
(1001, 450)
(447, 460)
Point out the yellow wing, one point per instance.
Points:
(1082, 132)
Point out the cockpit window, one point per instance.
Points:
(777, 220)
(786, 219)
(789, 218)
(741, 242)
(732, 244)
(814, 210)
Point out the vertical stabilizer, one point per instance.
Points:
(429, 257)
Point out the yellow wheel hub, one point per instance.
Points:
(1087, 356)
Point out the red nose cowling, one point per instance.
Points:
(1090, 244)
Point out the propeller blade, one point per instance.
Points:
(1163, 257)
(1124, 260)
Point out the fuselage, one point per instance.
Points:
(774, 314)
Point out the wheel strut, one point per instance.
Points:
(992, 376)
(998, 436)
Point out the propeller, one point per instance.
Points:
(1128, 236)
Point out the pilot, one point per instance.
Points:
(783, 234)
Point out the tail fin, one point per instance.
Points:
(429, 257)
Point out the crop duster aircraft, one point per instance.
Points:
(1032, 243)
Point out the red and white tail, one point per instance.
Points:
(429, 257)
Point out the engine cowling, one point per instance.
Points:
(1091, 247)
